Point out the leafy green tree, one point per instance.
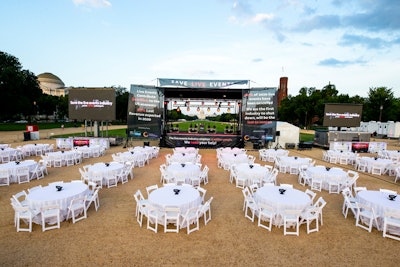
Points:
(19, 89)
(121, 100)
(380, 105)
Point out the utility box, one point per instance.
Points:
(35, 135)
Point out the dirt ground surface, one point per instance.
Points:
(112, 237)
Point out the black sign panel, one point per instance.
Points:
(145, 109)
(259, 114)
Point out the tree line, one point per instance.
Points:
(306, 109)
(22, 97)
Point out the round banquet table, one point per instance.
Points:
(271, 154)
(183, 171)
(380, 202)
(232, 150)
(376, 161)
(131, 155)
(12, 167)
(230, 159)
(187, 198)
(104, 169)
(394, 155)
(33, 148)
(351, 156)
(251, 174)
(292, 199)
(294, 161)
(183, 157)
(48, 195)
(192, 150)
(61, 156)
(11, 153)
(326, 175)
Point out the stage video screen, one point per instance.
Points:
(97, 104)
(342, 115)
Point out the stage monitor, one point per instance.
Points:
(342, 115)
(97, 104)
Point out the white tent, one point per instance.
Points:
(288, 134)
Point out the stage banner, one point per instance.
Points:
(145, 107)
(203, 83)
(259, 114)
(202, 141)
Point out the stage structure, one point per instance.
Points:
(202, 113)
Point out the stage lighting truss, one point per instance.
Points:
(199, 105)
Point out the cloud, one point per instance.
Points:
(257, 60)
(262, 17)
(368, 42)
(92, 3)
(333, 62)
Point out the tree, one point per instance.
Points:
(121, 103)
(19, 89)
(380, 105)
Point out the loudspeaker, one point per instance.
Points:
(278, 133)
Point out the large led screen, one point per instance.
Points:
(342, 115)
(97, 104)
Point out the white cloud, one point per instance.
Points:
(262, 17)
(92, 3)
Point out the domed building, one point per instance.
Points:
(51, 84)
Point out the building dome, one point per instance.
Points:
(51, 84)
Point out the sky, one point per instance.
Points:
(354, 45)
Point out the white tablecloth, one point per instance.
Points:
(292, 199)
(61, 155)
(32, 148)
(376, 161)
(294, 161)
(251, 174)
(183, 171)
(229, 159)
(12, 167)
(271, 154)
(89, 151)
(10, 154)
(351, 156)
(183, 157)
(394, 155)
(132, 156)
(327, 175)
(232, 150)
(48, 195)
(192, 150)
(105, 169)
(187, 198)
(380, 202)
